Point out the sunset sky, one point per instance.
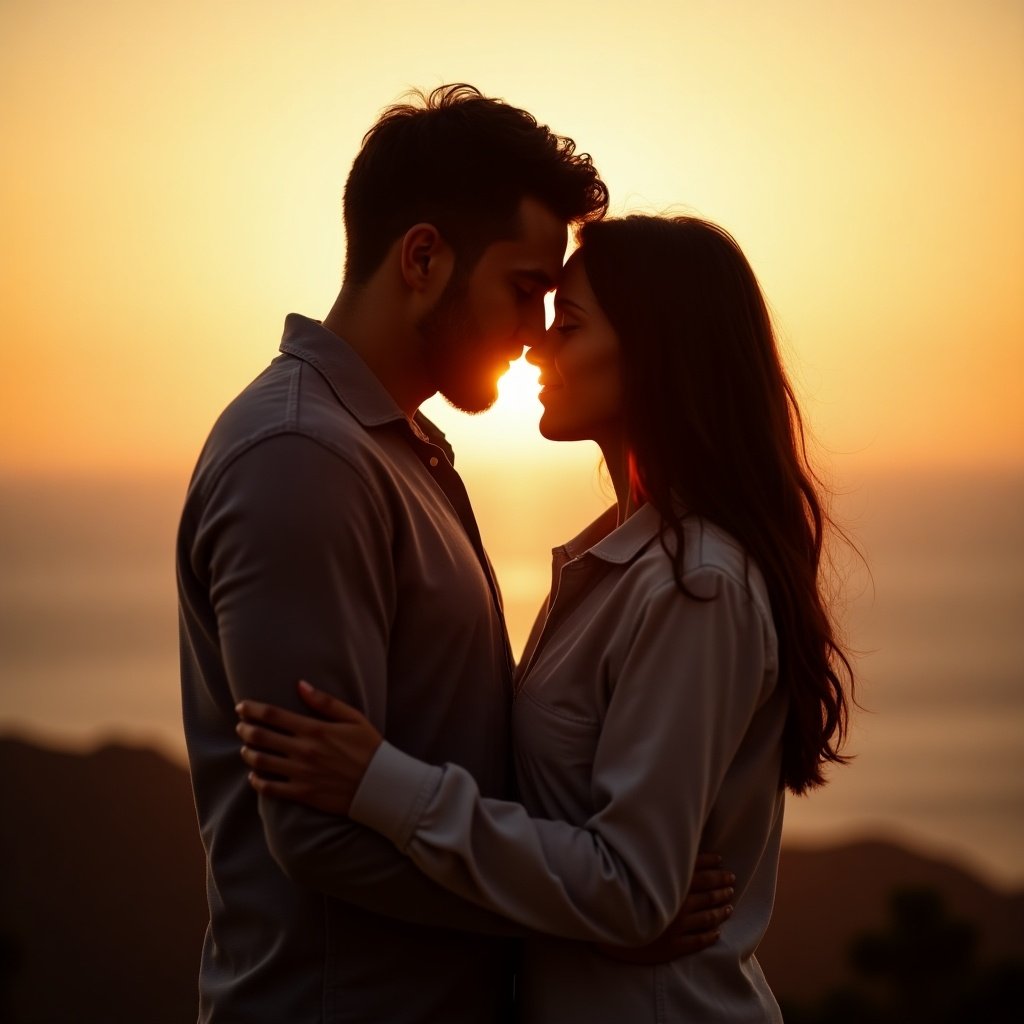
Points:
(170, 188)
(171, 178)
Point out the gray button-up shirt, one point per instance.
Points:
(327, 537)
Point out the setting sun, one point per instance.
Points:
(518, 389)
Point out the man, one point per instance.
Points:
(327, 536)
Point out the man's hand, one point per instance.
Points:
(707, 906)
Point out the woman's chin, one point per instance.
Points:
(552, 430)
(547, 429)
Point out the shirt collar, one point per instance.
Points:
(351, 380)
(617, 544)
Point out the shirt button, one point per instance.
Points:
(433, 460)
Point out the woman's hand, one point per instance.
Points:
(316, 762)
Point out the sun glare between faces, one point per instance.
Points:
(518, 389)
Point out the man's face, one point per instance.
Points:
(484, 318)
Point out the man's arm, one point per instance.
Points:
(302, 580)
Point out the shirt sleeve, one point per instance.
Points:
(298, 549)
(690, 682)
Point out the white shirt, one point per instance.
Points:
(647, 726)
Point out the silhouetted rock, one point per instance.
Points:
(102, 905)
(826, 897)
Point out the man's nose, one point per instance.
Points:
(534, 326)
(535, 356)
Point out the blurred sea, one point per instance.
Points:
(88, 644)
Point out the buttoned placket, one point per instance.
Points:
(450, 484)
(572, 577)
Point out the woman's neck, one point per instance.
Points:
(616, 458)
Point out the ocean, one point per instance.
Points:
(88, 643)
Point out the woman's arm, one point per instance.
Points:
(689, 685)
(321, 762)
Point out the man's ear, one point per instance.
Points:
(426, 259)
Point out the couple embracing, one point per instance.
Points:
(420, 830)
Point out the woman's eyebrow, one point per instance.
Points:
(560, 302)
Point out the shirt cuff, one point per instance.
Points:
(393, 792)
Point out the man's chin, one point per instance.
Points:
(470, 400)
(471, 403)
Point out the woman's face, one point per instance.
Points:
(581, 389)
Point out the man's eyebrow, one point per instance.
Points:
(539, 276)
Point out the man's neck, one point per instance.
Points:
(369, 325)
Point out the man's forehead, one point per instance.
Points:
(537, 261)
(543, 235)
(536, 250)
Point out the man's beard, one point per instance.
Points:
(452, 346)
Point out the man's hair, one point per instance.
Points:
(462, 162)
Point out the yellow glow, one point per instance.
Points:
(171, 180)
(518, 390)
(170, 187)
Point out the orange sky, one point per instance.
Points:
(170, 182)
(171, 175)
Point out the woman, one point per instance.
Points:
(683, 673)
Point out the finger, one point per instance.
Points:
(708, 860)
(718, 916)
(268, 764)
(704, 900)
(327, 705)
(704, 921)
(278, 717)
(267, 739)
(705, 880)
(273, 787)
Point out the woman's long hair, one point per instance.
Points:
(712, 422)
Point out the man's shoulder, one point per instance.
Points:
(289, 398)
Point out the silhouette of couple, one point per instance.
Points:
(421, 830)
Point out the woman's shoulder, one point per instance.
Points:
(711, 559)
(709, 547)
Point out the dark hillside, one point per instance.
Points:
(102, 908)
